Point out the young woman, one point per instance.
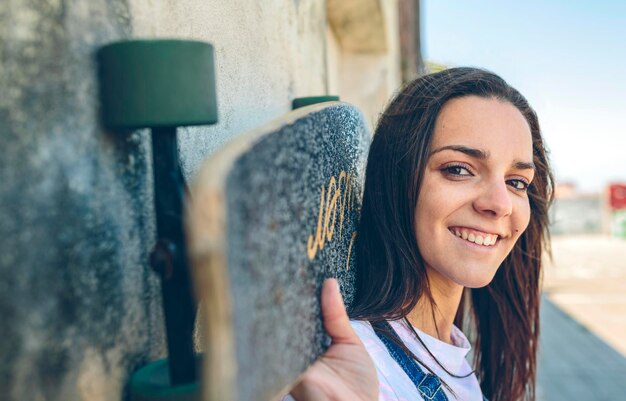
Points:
(453, 224)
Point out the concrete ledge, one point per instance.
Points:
(358, 24)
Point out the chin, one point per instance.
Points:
(477, 281)
(478, 284)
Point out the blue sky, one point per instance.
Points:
(567, 57)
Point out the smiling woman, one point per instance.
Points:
(453, 225)
(454, 206)
(477, 191)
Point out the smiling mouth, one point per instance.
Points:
(474, 236)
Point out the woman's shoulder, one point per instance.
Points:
(394, 385)
(362, 326)
(368, 336)
(366, 333)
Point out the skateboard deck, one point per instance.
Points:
(273, 213)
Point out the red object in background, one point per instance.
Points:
(617, 196)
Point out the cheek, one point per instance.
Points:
(522, 217)
(428, 209)
(434, 193)
(439, 198)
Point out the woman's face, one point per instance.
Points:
(473, 205)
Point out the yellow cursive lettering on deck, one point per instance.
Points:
(350, 249)
(327, 213)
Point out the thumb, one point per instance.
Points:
(335, 316)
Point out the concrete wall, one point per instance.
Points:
(80, 308)
(267, 53)
(364, 53)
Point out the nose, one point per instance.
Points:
(494, 199)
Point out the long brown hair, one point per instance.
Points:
(391, 275)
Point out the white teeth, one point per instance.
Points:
(487, 240)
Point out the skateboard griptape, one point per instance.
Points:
(273, 214)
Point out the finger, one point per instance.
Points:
(335, 316)
(308, 391)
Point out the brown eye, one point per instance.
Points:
(457, 170)
(518, 185)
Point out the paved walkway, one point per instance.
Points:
(587, 280)
(575, 364)
(582, 353)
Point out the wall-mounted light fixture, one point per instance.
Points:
(162, 85)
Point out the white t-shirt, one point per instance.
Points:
(395, 385)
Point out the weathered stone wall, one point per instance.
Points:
(80, 309)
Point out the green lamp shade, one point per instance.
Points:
(307, 101)
(152, 383)
(157, 83)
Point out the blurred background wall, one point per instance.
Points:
(80, 308)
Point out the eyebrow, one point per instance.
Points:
(482, 155)
(475, 153)
(524, 166)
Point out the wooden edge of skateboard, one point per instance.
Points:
(206, 229)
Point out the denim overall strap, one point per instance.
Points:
(428, 384)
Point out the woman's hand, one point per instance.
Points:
(345, 371)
